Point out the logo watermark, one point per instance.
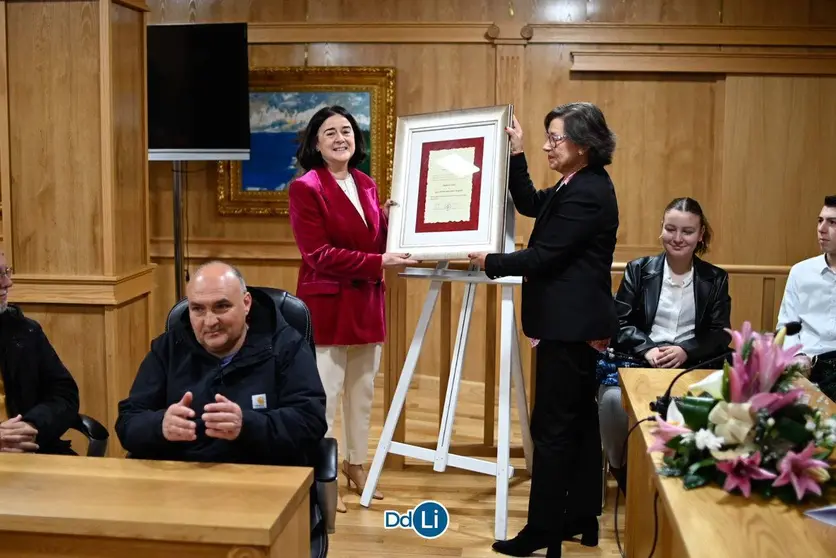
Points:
(429, 519)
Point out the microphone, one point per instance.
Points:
(662, 403)
(790, 328)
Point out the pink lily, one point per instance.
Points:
(738, 379)
(741, 470)
(773, 402)
(741, 337)
(664, 433)
(766, 362)
(774, 360)
(797, 468)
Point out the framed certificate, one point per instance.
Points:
(450, 180)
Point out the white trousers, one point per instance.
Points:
(347, 373)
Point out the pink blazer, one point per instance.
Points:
(341, 276)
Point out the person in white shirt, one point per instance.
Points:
(810, 298)
(673, 308)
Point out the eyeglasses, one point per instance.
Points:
(7, 272)
(554, 140)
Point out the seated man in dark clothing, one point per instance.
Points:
(237, 385)
(38, 396)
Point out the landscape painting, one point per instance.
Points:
(282, 101)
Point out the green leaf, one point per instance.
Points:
(793, 431)
(693, 481)
(798, 413)
(747, 349)
(823, 455)
(670, 472)
(700, 464)
(695, 410)
(726, 390)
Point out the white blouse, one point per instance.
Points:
(676, 313)
(350, 189)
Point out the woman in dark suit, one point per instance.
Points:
(673, 310)
(567, 308)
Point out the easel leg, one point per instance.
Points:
(503, 450)
(400, 393)
(445, 433)
(522, 400)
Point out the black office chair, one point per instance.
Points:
(96, 434)
(324, 457)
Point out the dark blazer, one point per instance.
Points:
(566, 268)
(638, 298)
(38, 386)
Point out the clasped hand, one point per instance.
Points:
(17, 436)
(223, 420)
(670, 356)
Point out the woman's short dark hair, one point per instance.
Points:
(307, 155)
(585, 125)
(692, 206)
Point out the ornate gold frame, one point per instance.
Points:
(378, 81)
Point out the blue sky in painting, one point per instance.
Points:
(278, 112)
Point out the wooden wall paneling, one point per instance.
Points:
(5, 172)
(425, 12)
(678, 34)
(777, 157)
(55, 203)
(76, 200)
(107, 159)
(626, 11)
(704, 62)
(206, 11)
(775, 12)
(384, 33)
(129, 191)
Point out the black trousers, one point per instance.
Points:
(566, 472)
(824, 374)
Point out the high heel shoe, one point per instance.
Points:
(359, 484)
(527, 542)
(340, 504)
(586, 527)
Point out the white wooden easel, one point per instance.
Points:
(510, 370)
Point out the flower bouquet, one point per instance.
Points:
(747, 428)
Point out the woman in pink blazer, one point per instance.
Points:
(340, 229)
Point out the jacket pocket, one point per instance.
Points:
(319, 288)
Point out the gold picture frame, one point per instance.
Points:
(277, 96)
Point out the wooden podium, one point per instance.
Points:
(706, 522)
(74, 185)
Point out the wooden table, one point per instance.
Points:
(707, 521)
(109, 507)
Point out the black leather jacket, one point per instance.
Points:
(638, 297)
